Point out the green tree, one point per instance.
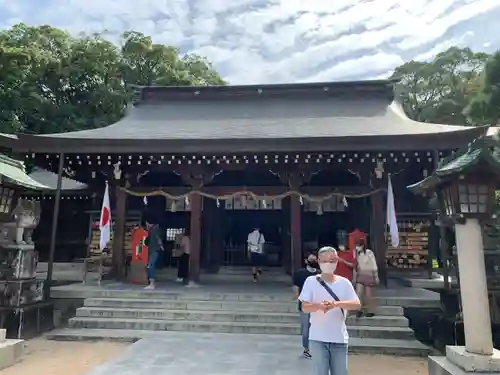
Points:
(146, 63)
(15, 68)
(52, 82)
(64, 83)
(440, 90)
(484, 108)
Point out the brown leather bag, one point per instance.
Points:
(367, 278)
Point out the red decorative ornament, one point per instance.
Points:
(139, 248)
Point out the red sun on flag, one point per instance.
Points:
(105, 217)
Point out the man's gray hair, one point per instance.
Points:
(326, 249)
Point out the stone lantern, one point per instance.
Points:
(465, 185)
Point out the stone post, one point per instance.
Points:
(478, 355)
(474, 292)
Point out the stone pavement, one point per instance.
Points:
(209, 354)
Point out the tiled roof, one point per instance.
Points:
(49, 179)
(262, 119)
(483, 149)
(291, 117)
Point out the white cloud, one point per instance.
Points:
(260, 41)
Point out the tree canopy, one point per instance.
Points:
(484, 107)
(439, 91)
(51, 81)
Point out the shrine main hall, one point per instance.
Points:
(307, 163)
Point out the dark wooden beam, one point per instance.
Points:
(97, 167)
(258, 190)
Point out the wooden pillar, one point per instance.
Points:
(443, 244)
(296, 232)
(196, 177)
(286, 235)
(378, 231)
(53, 232)
(118, 256)
(212, 242)
(195, 237)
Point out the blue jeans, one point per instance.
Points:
(304, 328)
(329, 358)
(153, 257)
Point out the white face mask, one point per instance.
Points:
(342, 247)
(359, 248)
(328, 267)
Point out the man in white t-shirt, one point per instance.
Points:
(328, 299)
(255, 244)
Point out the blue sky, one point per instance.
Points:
(271, 41)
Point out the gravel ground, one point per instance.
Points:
(43, 357)
(364, 364)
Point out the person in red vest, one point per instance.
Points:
(347, 263)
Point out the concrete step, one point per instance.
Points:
(218, 277)
(60, 266)
(194, 295)
(166, 304)
(401, 333)
(356, 345)
(248, 269)
(11, 352)
(227, 316)
(234, 271)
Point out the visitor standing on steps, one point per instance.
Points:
(328, 297)
(347, 263)
(155, 245)
(366, 279)
(255, 245)
(299, 278)
(184, 253)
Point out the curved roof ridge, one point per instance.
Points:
(49, 178)
(397, 108)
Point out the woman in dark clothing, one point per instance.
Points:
(184, 250)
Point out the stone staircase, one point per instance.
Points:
(231, 274)
(128, 315)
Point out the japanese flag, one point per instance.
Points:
(105, 221)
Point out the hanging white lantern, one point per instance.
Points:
(301, 200)
(344, 201)
(264, 203)
(319, 211)
(186, 201)
(217, 202)
(173, 206)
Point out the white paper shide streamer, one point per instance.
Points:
(391, 215)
